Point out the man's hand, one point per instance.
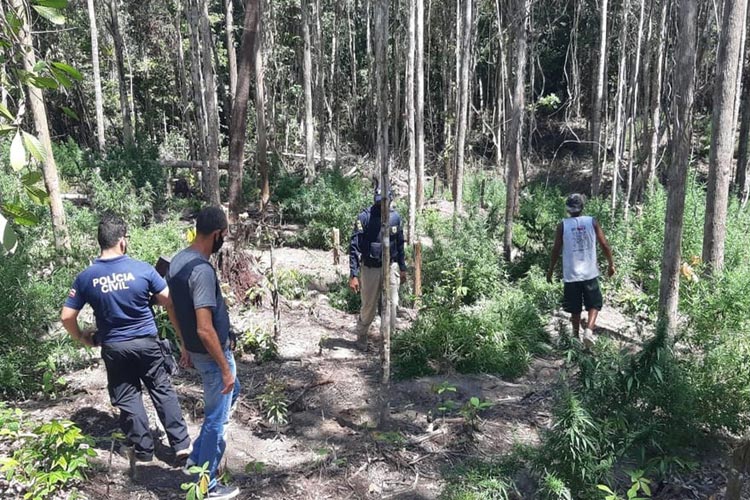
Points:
(228, 380)
(611, 270)
(549, 276)
(87, 337)
(354, 284)
(403, 277)
(185, 361)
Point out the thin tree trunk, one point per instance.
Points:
(39, 114)
(419, 102)
(658, 71)
(741, 177)
(238, 121)
(522, 8)
(501, 96)
(596, 115)
(307, 84)
(231, 52)
(462, 107)
(682, 108)
(320, 83)
(198, 90)
(620, 99)
(98, 102)
(212, 114)
(634, 89)
(381, 42)
(114, 28)
(352, 48)
(722, 136)
(260, 112)
(411, 120)
(187, 118)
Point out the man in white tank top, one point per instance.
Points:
(577, 236)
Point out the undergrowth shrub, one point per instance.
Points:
(138, 163)
(45, 459)
(461, 267)
(498, 336)
(330, 201)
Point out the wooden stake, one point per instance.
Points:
(418, 272)
(336, 246)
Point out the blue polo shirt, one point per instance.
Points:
(118, 290)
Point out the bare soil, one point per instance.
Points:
(330, 449)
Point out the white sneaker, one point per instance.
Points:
(588, 338)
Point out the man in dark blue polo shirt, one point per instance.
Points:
(119, 290)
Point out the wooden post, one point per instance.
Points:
(481, 193)
(739, 463)
(418, 272)
(336, 246)
(435, 186)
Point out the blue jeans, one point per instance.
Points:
(210, 444)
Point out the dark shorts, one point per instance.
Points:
(582, 293)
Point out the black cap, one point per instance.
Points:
(574, 203)
(379, 196)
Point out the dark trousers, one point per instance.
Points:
(128, 364)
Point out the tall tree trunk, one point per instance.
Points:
(238, 120)
(656, 87)
(198, 90)
(231, 52)
(188, 122)
(521, 7)
(114, 29)
(597, 148)
(307, 84)
(39, 114)
(419, 101)
(682, 109)
(98, 102)
(722, 135)
(212, 113)
(741, 178)
(573, 109)
(462, 107)
(620, 106)
(381, 71)
(635, 83)
(411, 121)
(260, 112)
(501, 87)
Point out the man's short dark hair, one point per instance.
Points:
(111, 228)
(210, 219)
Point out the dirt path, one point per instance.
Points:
(327, 450)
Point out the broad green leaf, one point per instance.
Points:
(6, 113)
(50, 14)
(31, 178)
(52, 4)
(70, 70)
(8, 243)
(34, 147)
(6, 129)
(70, 113)
(17, 153)
(37, 195)
(62, 78)
(44, 82)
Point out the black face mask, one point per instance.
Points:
(217, 243)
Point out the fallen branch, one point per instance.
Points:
(192, 164)
(307, 388)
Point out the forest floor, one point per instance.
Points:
(329, 449)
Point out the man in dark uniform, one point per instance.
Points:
(366, 262)
(119, 290)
